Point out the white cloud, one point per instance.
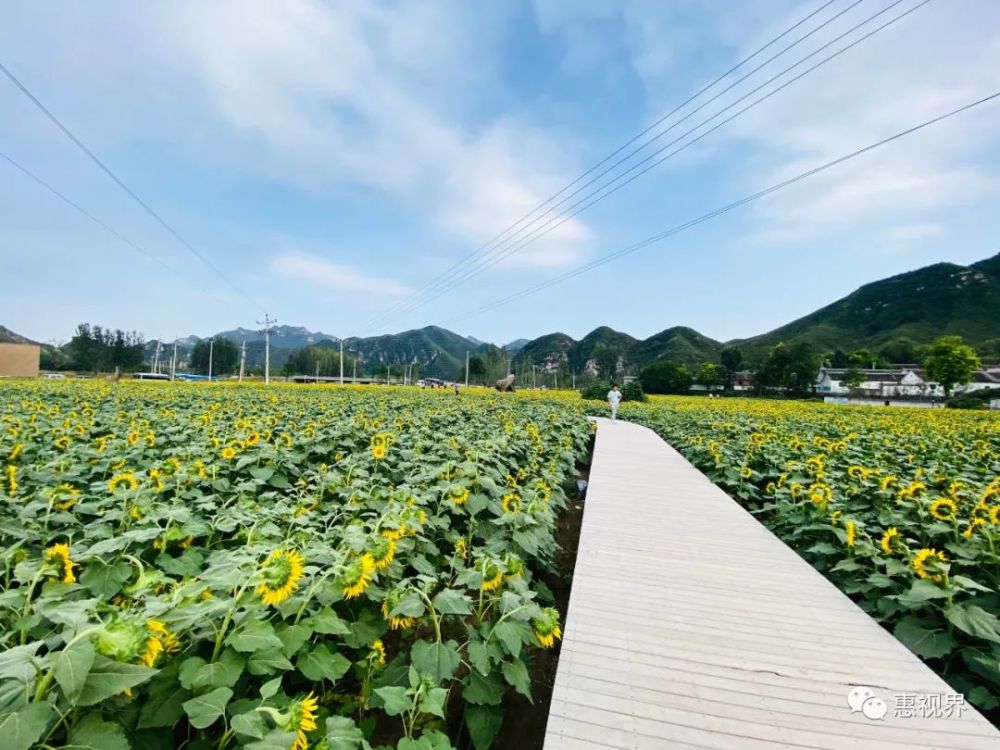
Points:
(345, 278)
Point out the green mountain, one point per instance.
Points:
(436, 351)
(589, 346)
(7, 336)
(680, 344)
(550, 351)
(918, 306)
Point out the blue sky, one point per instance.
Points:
(333, 158)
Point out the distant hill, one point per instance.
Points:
(914, 307)
(918, 305)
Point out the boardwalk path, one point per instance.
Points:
(691, 625)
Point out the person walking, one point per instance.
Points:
(614, 398)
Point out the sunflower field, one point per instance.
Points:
(900, 508)
(273, 568)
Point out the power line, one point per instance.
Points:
(131, 193)
(582, 204)
(24, 170)
(719, 211)
(485, 248)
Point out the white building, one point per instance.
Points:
(905, 381)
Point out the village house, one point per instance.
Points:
(905, 381)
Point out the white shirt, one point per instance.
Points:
(614, 397)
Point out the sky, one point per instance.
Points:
(331, 160)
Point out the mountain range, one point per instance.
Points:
(903, 311)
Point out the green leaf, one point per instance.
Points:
(255, 635)
(320, 664)
(221, 673)
(516, 674)
(439, 660)
(189, 668)
(205, 710)
(105, 579)
(924, 642)
(23, 728)
(432, 702)
(452, 602)
(250, 724)
(18, 663)
(270, 687)
(294, 638)
(108, 677)
(92, 733)
(483, 723)
(276, 739)
(479, 657)
(70, 668)
(509, 634)
(163, 704)
(343, 734)
(429, 740)
(327, 622)
(483, 690)
(983, 698)
(411, 605)
(268, 662)
(921, 592)
(395, 700)
(974, 621)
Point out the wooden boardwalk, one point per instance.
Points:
(691, 626)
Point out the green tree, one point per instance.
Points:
(840, 359)
(665, 376)
(900, 351)
(225, 356)
(477, 370)
(606, 358)
(708, 373)
(732, 360)
(950, 362)
(792, 368)
(97, 349)
(853, 378)
(324, 360)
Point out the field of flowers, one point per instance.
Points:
(213, 566)
(899, 507)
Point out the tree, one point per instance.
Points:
(900, 351)
(732, 360)
(950, 362)
(477, 369)
(840, 359)
(225, 356)
(665, 376)
(793, 368)
(708, 373)
(324, 360)
(97, 349)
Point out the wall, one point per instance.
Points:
(19, 360)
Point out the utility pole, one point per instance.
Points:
(354, 376)
(211, 349)
(574, 380)
(243, 358)
(156, 357)
(173, 363)
(387, 374)
(556, 376)
(533, 376)
(266, 330)
(466, 368)
(341, 361)
(317, 370)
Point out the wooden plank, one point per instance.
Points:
(690, 625)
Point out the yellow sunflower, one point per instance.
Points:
(64, 496)
(391, 601)
(125, 479)
(492, 577)
(382, 552)
(944, 509)
(12, 484)
(458, 495)
(281, 574)
(546, 628)
(511, 503)
(58, 556)
(377, 654)
(229, 453)
(926, 562)
(852, 533)
(303, 720)
(888, 539)
(357, 575)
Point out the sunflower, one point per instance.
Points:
(995, 515)
(64, 496)
(157, 476)
(126, 479)
(929, 557)
(58, 555)
(357, 576)
(378, 451)
(394, 535)
(391, 601)
(889, 538)
(11, 480)
(303, 720)
(170, 642)
(281, 574)
(975, 523)
(229, 453)
(944, 509)
(852, 533)
(62, 443)
(133, 438)
(546, 627)
(461, 548)
(382, 552)
(458, 495)
(887, 481)
(252, 439)
(18, 449)
(377, 654)
(746, 472)
(511, 503)
(492, 577)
